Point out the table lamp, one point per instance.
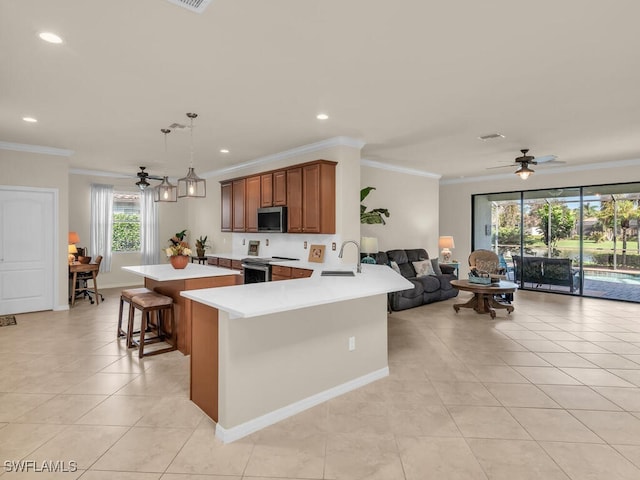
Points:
(368, 245)
(73, 250)
(445, 243)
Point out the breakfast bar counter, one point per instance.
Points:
(263, 352)
(171, 282)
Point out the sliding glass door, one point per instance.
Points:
(610, 240)
(573, 240)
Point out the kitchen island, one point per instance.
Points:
(169, 281)
(263, 352)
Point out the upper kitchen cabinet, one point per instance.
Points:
(266, 189)
(273, 189)
(239, 192)
(311, 198)
(279, 188)
(252, 203)
(319, 197)
(307, 190)
(294, 200)
(226, 205)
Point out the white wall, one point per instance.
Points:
(412, 202)
(455, 198)
(43, 171)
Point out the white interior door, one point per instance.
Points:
(26, 250)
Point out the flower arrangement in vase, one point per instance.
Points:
(201, 245)
(179, 251)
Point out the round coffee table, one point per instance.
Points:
(482, 300)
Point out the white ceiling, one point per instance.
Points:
(418, 81)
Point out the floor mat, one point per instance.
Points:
(6, 320)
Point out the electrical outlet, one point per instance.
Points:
(352, 344)
(266, 242)
(244, 241)
(333, 246)
(305, 245)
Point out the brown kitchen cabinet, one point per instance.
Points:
(226, 206)
(236, 264)
(301, 273)
(312, 192)
(252, 203)
(279, 188)
(294, 200)
(279, 272)
(239, 192)
(266, 190)
(308, 190)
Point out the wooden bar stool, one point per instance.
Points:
(126, 296)
(159, 305)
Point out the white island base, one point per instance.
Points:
(248, 373)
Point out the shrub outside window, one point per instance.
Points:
(126, 222)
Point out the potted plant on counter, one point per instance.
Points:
(201, 245)
(179, 251)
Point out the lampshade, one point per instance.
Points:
(72, 248)
(165, 192)
(73, 238)
(369, 245)
(446, 242)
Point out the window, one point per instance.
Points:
(574, 240)
(126, 222)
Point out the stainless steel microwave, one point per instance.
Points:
(272, 219)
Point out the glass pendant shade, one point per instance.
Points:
(192, 185)
(524, 171)
(142, 184)
(166, 191)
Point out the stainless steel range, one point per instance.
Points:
(258, 269)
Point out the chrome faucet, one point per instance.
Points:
(357, 246)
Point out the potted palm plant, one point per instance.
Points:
(201, 245)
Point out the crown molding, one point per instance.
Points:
(546, 171)
(98, 173)
(394, 168)
(312, 147)
(23, 147)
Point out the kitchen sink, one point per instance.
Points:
(338, 273)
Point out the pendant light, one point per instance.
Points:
(192, 186)
(165, 192)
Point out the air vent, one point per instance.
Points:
(491, 136)
(197, 6)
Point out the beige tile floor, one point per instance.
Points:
(550, 392)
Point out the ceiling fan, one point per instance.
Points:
(525, 160)
(143, 177)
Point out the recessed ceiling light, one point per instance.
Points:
(224, 150)
(322, 116)
(491, 136)
(50, 37)
(30, 119)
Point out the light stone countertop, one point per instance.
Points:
(165, 272)
(242, 301)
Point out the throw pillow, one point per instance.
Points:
(423, 268)
(436, 266)
(395, 267)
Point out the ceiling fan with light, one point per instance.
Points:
(525, 161)
(143, 177)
